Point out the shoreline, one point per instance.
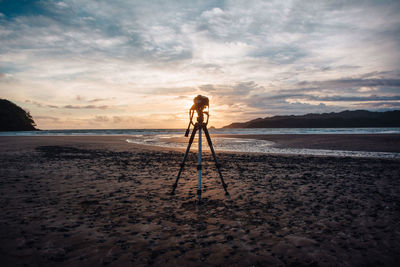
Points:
(334, 145)
(390, 142)
(349, 142)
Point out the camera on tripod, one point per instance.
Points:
(200, 103)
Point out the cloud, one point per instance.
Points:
(101, 119)
(382, 105)
(94, 100)
(173, 91)
(283, 107)
(354, 98)
(117, 119)
(100, 99)
(320, 96)
(86, 107)
(6, 78)
(124, 119)
(47, 118)
(125, 30)
(242, 88)
(351, 83)
(41, 105)
(236, 96)
(338, 98)
(266, 56)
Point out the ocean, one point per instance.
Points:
(173, 138)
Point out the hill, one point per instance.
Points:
(344, 119)
(14, 118)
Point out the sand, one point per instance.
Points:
(352, 142)
(93, 201)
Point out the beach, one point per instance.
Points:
(352, 142)
(98, 200)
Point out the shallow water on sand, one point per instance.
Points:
(248, 145)
(174, 138)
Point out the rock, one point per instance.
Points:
(300, 241)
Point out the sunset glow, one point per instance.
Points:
(138, 64)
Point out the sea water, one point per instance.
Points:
(173, 138)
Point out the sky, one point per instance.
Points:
(126, 64)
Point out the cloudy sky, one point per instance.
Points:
(138, 64)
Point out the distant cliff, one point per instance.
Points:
(14, 118)
(344, 119)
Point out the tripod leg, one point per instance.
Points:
(199, 166)
(215, 159)
(184, 158)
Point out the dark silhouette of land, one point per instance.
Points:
(14, 118)
(344, 119)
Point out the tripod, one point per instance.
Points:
(199, 126)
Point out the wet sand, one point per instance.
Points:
(93, 201)
(352, 142)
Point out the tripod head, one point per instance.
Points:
(200, 104)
